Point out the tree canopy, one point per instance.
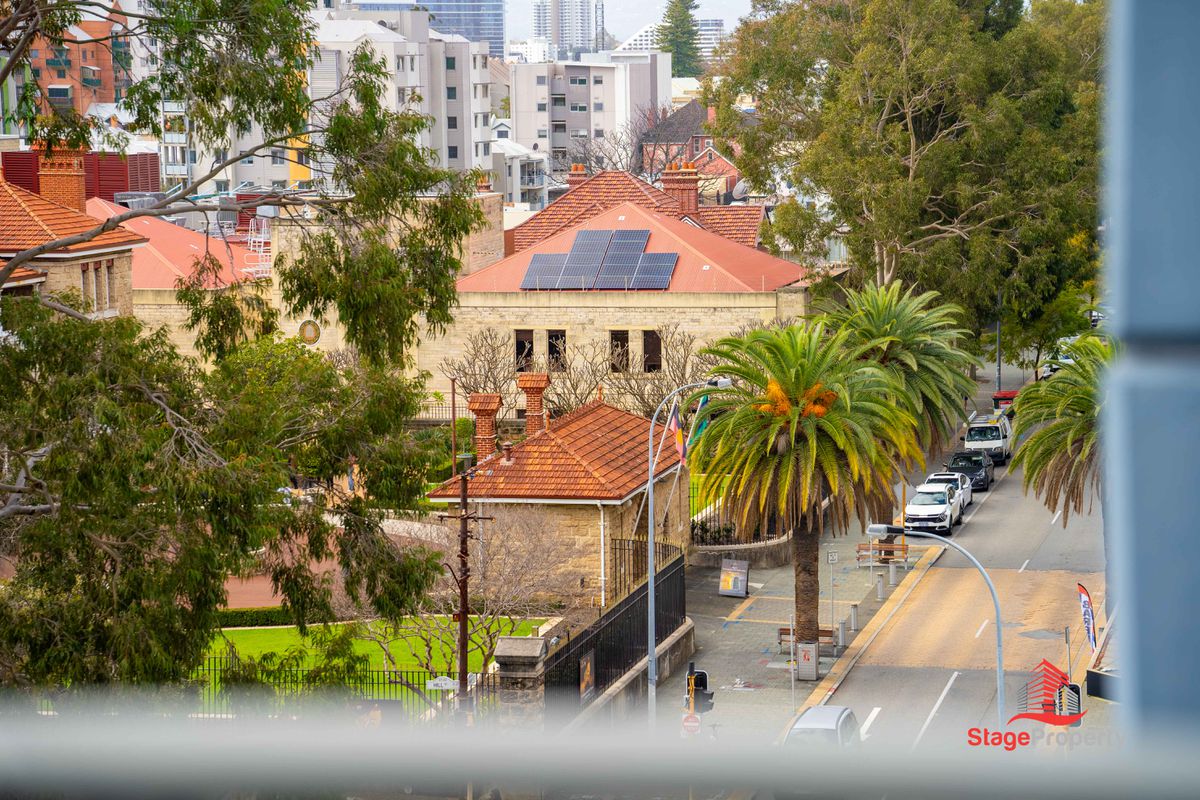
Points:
(954, 145)
(679, 35)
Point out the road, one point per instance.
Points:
(930, 675)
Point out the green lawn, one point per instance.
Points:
(256, 641)
(698, 502)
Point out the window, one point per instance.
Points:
(248, 160)
(451, 92)
(60, 73)
(221, 186)
(579, 107)
(597, 80)
(524, 349)
(598, 133)
(487, 148)
(579, 133)
(412, 63)
(578, 80)
(450, 62)
(558, 101)
(399, 63)
(452, 151)
(276, 156)
(483, 62)
(651, 351)
(110, 287)
(452, 123)
(542, 134)
(501, 134)
(597, 106)
(191, 156)
(541, 80)
(541, 105)
(618, 350)
(557, 341)
(220, 155)
(559, 127)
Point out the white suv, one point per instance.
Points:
(993, 435)
(934, 507)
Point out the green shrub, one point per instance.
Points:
(257, 617)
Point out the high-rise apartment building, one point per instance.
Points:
(557, 107)
(571, 26)
(477, 20)
(711, 32)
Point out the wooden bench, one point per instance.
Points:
(883, 551)
(783, 637)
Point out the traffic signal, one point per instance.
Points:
(702, 696)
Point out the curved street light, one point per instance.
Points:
(651, 633)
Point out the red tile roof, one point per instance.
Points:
(610, 188)
(28, 220)
(23, 276)
(171, 251)
(596, 452)
(707, 262)
(736, 223)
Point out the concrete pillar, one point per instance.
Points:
(521, 667)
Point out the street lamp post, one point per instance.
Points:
(651, 633)
(884, 530)
(999, 312)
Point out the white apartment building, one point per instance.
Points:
(571, 26)
(534, 50)
(554, 105)
(520, 174)
(711, 32)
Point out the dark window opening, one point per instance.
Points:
(557, 341)
(618, 347)
(524, 350)
(651, 351)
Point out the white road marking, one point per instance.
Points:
(991, 492)
(756, 585)
(867, 724)
(1056, 516)
(1023, 566)
(934, 710)
(982, 625)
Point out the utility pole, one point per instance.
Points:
(453, 429)
(462, 576)
(999, 313)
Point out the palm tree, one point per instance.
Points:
(1061, 458)
(805, 429)
(918, 343)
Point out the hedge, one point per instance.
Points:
(256, 617)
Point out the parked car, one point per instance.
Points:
(960, 482)
(993, 435)
(1058, 358)
(934, 507)
(976, 465)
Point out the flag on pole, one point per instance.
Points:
(1089, 615)
(698, 427)
(676, 430)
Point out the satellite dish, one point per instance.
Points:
(739, 191)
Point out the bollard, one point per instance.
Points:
(854, 616)
(892, 574)
(842, 635)
(879, 586)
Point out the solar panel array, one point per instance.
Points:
(602, 260)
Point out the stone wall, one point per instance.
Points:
(761, 555)
(64, 276)
(589, 316)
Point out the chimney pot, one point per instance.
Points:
(485, 407)
(506, 448)
(534, 384)
(576, 176)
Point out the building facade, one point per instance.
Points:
(571, 27)
(556, 105)
(92, 64)
(476, 21)
(711, 32)
(519, 174)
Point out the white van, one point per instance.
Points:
(992, 434)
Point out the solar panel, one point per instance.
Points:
(628, 241)
(654, 271)
(544, 271)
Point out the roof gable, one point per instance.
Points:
(28, 220)
(595, 453)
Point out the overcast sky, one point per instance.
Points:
(623, 18)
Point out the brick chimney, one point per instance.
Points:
(61, 178)
(534, 384)
(485, 407)
(681, 182)
(576, 176)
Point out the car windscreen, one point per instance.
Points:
(942, 479)
(983, 433)
(929, 499)
(968, 462)
(811, 737)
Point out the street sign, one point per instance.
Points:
(441, 683)
(735, 577)
(691, 724)
(833, 556)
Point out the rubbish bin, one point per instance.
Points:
(806, 661)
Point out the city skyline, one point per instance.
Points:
(623, 18)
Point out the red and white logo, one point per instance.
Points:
(1049, 697)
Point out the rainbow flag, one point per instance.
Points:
(676, 431)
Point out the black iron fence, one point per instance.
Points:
(714, 526)
(593, 660)
(627, 565)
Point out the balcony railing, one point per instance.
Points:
(62, 63)
(91, 82)
(533, 181)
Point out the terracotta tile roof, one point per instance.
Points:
(28, 219)
(171, 251)
(597, 452)
(610, 188)
(596, 195)
(707, 262)
(21, 275)
(736, 223)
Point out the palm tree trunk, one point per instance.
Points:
(806, 551)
